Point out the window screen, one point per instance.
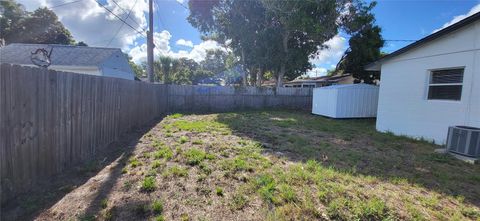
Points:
(446, 84)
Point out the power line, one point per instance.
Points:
(185, 7)
(121, 25)
(106, 40)
(63, 4)
(118, 17)
(125, 11)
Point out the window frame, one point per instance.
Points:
(429, 84)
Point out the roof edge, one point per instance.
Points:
(375, 66)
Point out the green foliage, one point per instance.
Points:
(239, 201)
(148, 184)
(175, 116)
(104, 203)
(163, 152)
(41, 27)
(266, 187)
(134, 162)
(365, 44)
(176, 171)
(183, 139)
(159, 218)
(219, 191)
(138, 70)
(157, 207)
(196, 126)
(194, 156)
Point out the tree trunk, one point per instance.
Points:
(244, 74)
(260, 76)
(283, 65)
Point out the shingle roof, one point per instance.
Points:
(334, 78)
(469, 20)
(61, 55)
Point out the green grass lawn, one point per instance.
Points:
(287, 165)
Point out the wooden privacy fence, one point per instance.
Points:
(52, 120)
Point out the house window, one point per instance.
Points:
(446, 84)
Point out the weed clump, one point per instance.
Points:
(148, 184)
(194, 156)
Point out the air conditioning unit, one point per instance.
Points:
(464, 140)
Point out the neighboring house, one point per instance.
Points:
(110, 62)
(432, 84)
(320, 81)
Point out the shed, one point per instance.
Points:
(346, 101)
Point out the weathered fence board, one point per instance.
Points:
(50, 120)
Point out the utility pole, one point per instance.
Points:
(150, 42)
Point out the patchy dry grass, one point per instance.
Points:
(280, 165)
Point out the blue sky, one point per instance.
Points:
(416, 19)
(174, 36)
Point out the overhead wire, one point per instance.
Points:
(121, 25)
(63, 4)
(119, 18)
(125, 11)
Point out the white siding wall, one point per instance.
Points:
(324, 102)
(346, 101)
(357, 102)
(403, 106)
(117, 66)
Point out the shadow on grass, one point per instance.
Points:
(355, 147)
(47, 193)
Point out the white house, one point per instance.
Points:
(432, 84)
(110, 62)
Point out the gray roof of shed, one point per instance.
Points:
(67, 55)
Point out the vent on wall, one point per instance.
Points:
(464, 140)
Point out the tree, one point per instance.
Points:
(42, 26)
(365, 45)
(81, 43)
(271, 35)
(215, 61)
(304, 27)
(138, 70)
(12, 14)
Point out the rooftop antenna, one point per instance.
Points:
(41, 57)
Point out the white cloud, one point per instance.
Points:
(317, 72)
(457, 18)
(199, 51)
(91, 23)
(162, 48)
(332, 54)
(184, 42)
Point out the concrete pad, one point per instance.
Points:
(471, 160)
